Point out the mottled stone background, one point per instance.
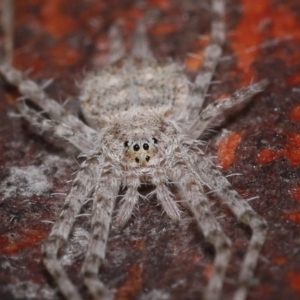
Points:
(62, 39)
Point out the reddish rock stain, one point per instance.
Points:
(267, 155)
(287, 27)
(292, 149)
(162, 29)
(294, 280)
(296, 193)
(138, 244)
(24, 238)
(250, 33)
(294, 79)
(160, 3)
(64, 55)
(246, 37)
(193, 62)
(295, 112)
(55, 21)
(133, 284)
(128, 17)
(280, 260)
(293, 216)
(208, 271)
(226, 149)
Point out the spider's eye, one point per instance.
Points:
(154, 140)
(146, 146)
(126, 144)
(137, 160)
(147, 158)
(136, 147)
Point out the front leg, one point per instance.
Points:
(104, 200)
(81, 189)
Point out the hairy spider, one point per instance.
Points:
(144, 119)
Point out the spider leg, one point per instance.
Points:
(104, 199)
(164, 195)
(81, 189)
(28, 88)
(245, 214)
(212, 232)
(129, 201)
(116, 48)
(197, 201)
(212, 54)
(31, 90)
(61, 130)
(140, 47)
(217, 108)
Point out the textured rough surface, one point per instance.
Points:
(111, 90)
(60, 39)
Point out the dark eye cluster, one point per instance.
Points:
(136, 147)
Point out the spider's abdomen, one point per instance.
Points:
(131, 83)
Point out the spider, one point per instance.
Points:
(144, 120)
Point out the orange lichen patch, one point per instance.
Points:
(292, 149)
(294, 79)
(128, 16)
(280, 260)
(34, 64)
(138, 244)
(288, 27)
(165, 28)
(208, 271)
(246, 36)
(196, 258)
(295, 113)
(290, 57)
(64, 55)
(266, 155)
(293, 216)
(23, 239)
(194, 61)
(160, 3)
(132, 285)
(250, 32)
(294, 280)
(55, 21)
(295, 193)
(226, 149)
(284, 23)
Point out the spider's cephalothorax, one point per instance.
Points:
(139, 139)
(145, 119)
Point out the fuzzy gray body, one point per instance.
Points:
(136, 100)
(131, 83)
(145, 119)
